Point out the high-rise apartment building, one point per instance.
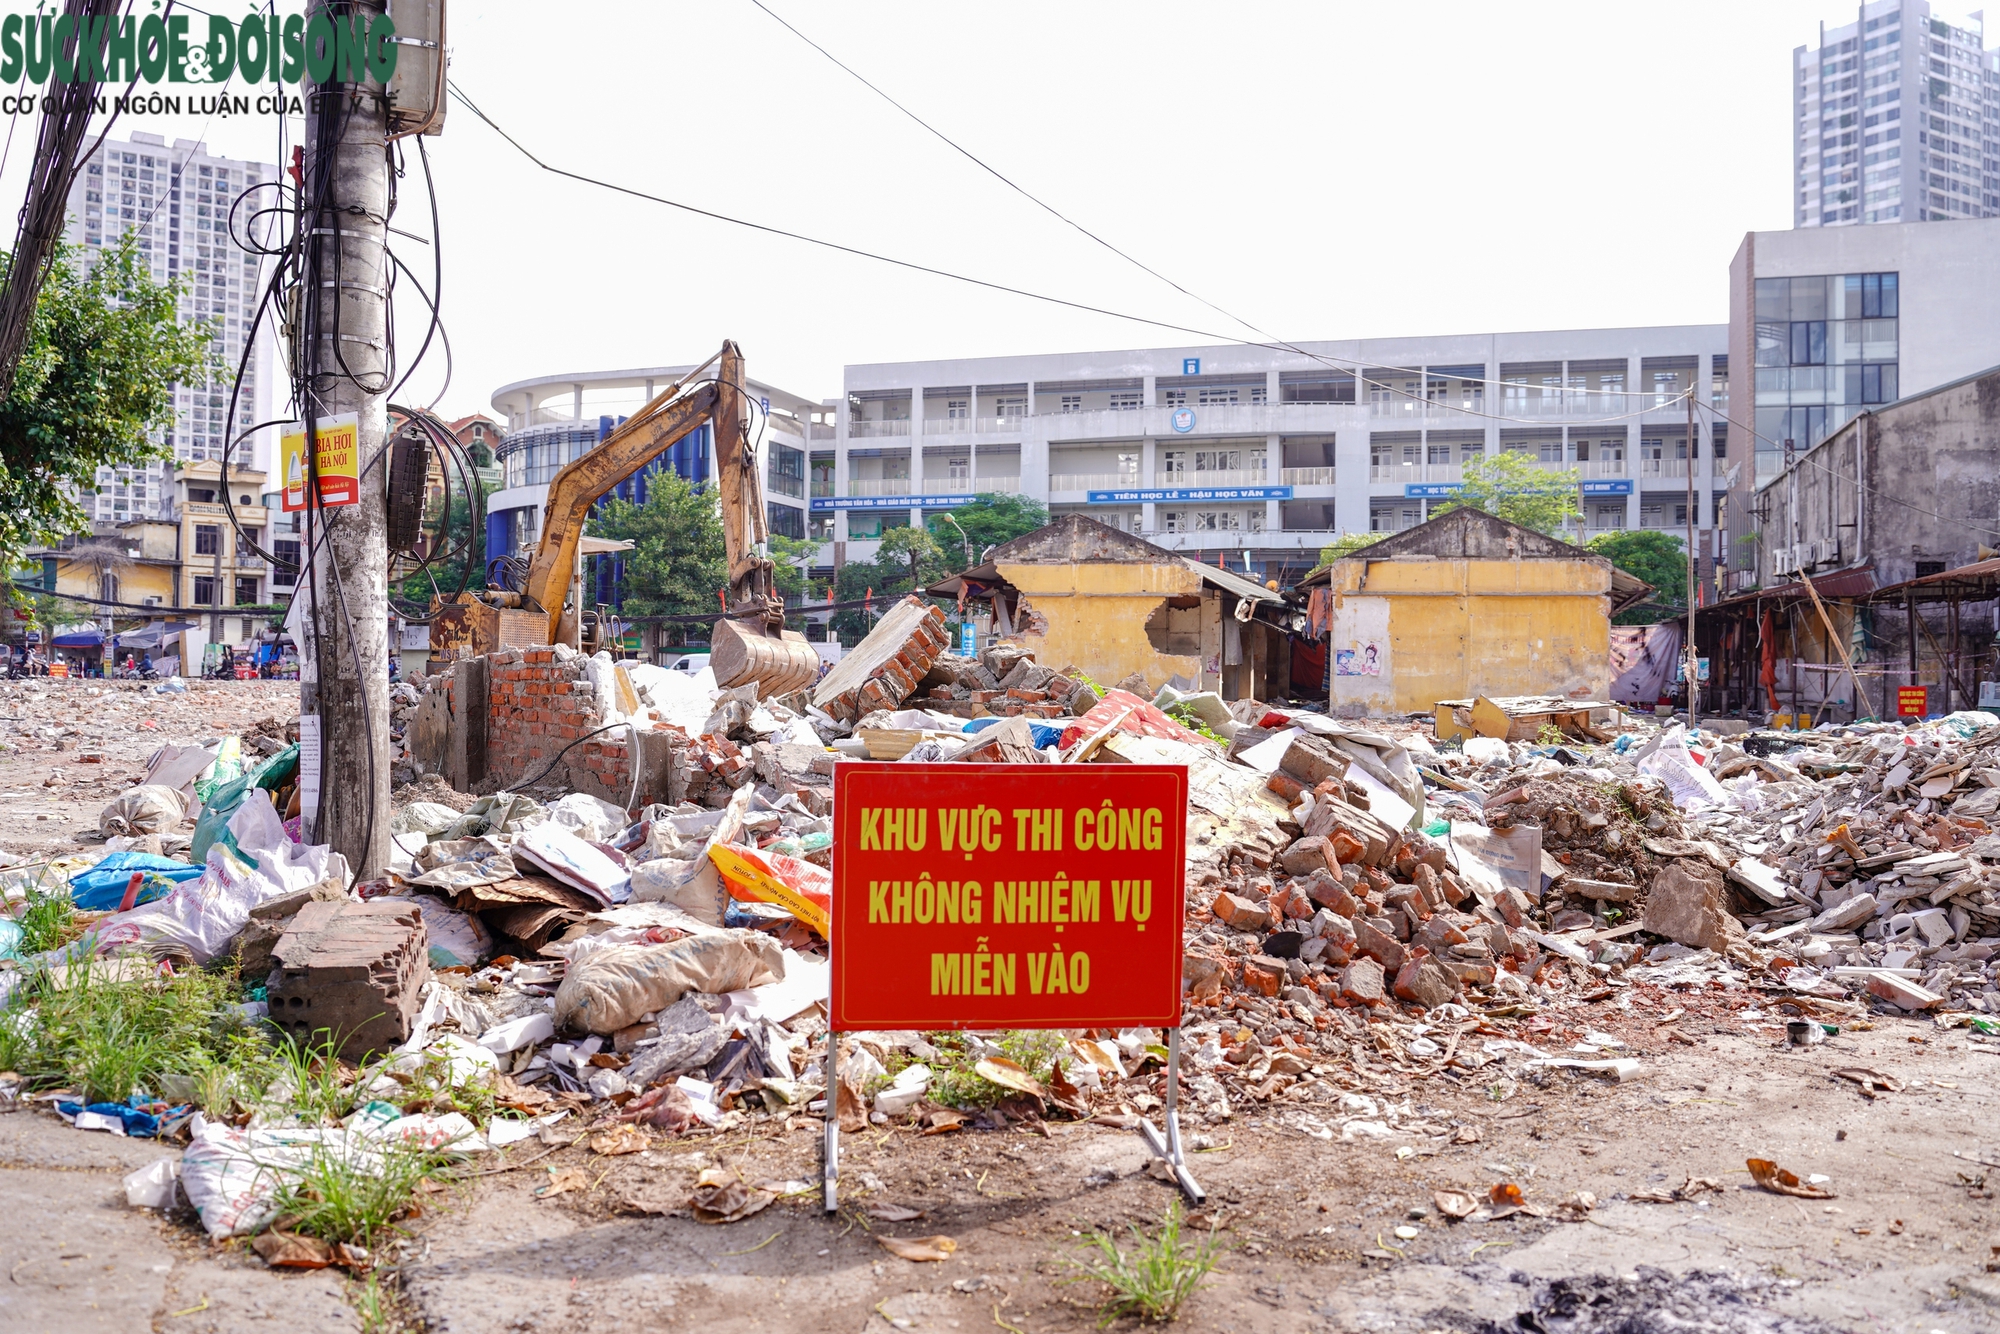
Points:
(1896, 118)
(176, 201)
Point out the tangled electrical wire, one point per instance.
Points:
(300, 226)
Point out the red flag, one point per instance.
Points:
(723, 598)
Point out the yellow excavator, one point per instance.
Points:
(750, 642)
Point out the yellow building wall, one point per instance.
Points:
(1450, 629)
(1093, 617)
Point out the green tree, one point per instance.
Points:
(1346, 545)
(104, 351)
(678, 560)
(987, 520)
(1653, 556)
(1511, 485)
(915, 551)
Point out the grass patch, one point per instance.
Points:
(1188, 718)
(352, 1192)
(110, 1039)
(954, 1081)
(48, 922)
(1155, 1279)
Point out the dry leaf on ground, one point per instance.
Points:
(289, 1250)
(564, 1179)
(1780, 1182)
(1454, 1204)
(892, 1213)
(919, 1249)
(719, 1197)
(620, 1139)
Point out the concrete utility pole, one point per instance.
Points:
(1693, 653)
(347, 358)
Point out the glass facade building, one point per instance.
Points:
(1826, 348)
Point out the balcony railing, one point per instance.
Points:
(869, 430)
(880, 486)
(822, 488)
(1595, 468)
(946, 425)
(1534, 405)
(1213, 477)
(999, 425)
(1416, 472)
(1093, 481)
(821, 431)
(968, 486)
(927, 486)
(1306, 476)
(1663, 467)
(788, 486)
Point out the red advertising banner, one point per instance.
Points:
(1913, 701)
(1008, 895)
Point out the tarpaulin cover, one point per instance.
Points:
(1140, 718)
(1044, 734)
(102, 887)
(1643, 658)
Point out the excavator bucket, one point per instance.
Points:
(780, 662)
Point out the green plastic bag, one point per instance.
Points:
(226, 798)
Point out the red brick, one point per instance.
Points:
(1262, 975)
(1361, 982)
(1240, 913)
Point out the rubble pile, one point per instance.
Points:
(1367, 904)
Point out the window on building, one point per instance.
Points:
(959, 470)
(246, 590)
(1007, 409)
(286, 572)
(1173, 398)
(207, 539)
(785, 521)
(1218, 395)
(1174, 462)
(1928, 567)
(204, 590)
(201, 495)
(1126, 402)
(1072, 402)
(957, 409)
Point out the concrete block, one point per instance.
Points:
(352, 970)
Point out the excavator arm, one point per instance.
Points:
(637, 441)
(750, 643)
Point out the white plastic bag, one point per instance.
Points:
(153, 1186)
(587, 817)
(203, 916)
(147, 809)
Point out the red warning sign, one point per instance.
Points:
(1008, 895)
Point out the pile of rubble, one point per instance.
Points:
(1367, 903)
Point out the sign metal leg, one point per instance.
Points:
(1168, 1147)
(830, 1179)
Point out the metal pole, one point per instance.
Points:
(347, 369)
(1693, 653)
(1910, 611)
(830, 1167)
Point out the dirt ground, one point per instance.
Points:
(67, 746)
(1306, 1220)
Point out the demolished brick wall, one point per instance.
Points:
(538, 702)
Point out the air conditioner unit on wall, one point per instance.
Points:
(1781, 561)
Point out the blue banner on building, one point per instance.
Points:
(822, 503)
(1621, 486)
(1138, 497)
(1431, 490)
